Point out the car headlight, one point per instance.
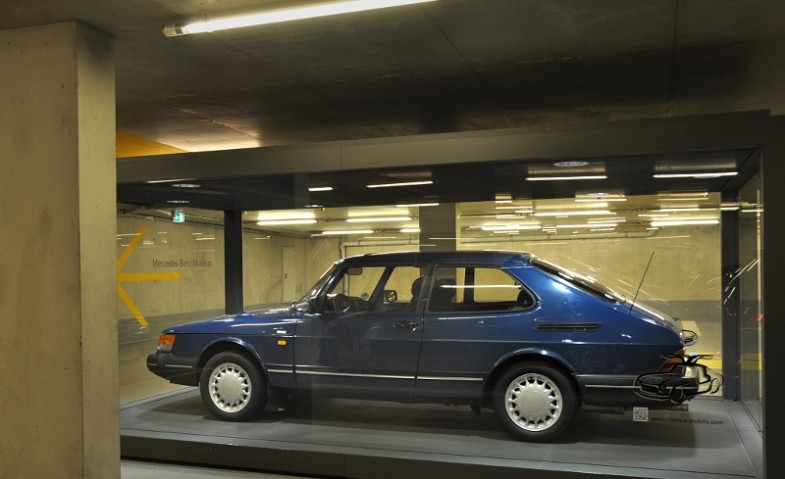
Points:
(165, 342)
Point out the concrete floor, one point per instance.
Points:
(341, 437)
(145, 470)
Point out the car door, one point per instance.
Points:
(365, 337)
(475, 315)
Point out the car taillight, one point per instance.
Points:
(673, 361)
(165, 342)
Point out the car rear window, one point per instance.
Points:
(477, 288)
(585, 283)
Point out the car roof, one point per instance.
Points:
(495, 258)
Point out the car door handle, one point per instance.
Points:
(410, 325)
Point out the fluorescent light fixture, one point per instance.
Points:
(575, 213)
(410, 230)
(379, 219)
(417, 205)
(178, 202)
(283, 15)
(287, 215)
(345, 232)
(186, 185)
(286, 222)
(684, 222)
(510, 227)
(566, 178)
(592, 196)
(589, 225)
(320, 188)
(683, 196)
(717, 174)
(687, 209)
(592, 204)
(402, 183)
(668, 237)
(525, 209)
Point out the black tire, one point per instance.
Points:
(535, 401)
(233, 387)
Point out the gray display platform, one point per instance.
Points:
(363, 439)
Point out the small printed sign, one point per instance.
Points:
(640, 414)
(178, 216)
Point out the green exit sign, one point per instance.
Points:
(178, 216)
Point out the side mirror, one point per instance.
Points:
(314, 306)
(309, 306)
(390, 296)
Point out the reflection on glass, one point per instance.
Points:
(167, 273)
(749, 289)
(683, 279)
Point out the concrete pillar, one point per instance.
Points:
(58, 331)
(438, 228)
(233, 261)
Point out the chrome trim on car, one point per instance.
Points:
(606, 386)
(178, 366)
(355, 375)
(281, 371)
(447, 378)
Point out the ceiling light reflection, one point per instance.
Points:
(283, 15)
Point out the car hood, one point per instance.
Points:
(276, 318)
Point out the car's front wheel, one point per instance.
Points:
(233, 387)
(535, 400)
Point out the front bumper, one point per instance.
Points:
(680, 381)
(174, 369)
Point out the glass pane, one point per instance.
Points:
(358, 282)
(663, 250)
(751, 298)
(168, 273)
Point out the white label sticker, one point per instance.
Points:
(640, 414)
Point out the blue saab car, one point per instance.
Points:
(490, 329)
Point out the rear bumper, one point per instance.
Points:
(680, 382)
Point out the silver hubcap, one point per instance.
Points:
(533, 402)
(230, 387)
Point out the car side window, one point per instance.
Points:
(400, 290)
(373, 288)
(481, 288)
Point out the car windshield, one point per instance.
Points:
(316, 287)
(585, 283)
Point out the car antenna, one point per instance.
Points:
(641, 283)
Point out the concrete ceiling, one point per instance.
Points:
(451, 65)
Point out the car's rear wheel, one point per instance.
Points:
(535, 400)
(233, 386)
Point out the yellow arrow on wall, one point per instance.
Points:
(130, 277)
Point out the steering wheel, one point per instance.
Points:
(342, 303)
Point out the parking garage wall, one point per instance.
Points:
(169, 273)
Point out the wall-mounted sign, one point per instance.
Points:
(178, 216)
